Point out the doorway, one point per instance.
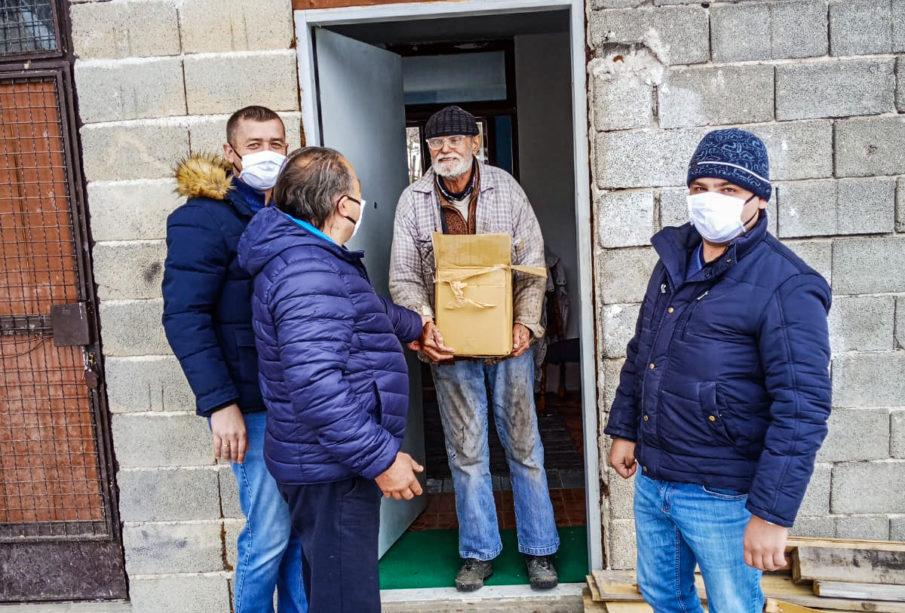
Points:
(377, 73)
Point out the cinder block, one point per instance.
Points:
(900, 205)
(235, 25)
(869, 379)
(208, 133)
(151, 440)
(863, 487)
(676, 34)
(129, 270)
(616, 4)
(741, 32)
(862, 323)
(618, 328)
(168, 494)
(229, 492)
(856, 434)
(897, 528)
(860, 27)
(819, 527)
(622, 274)
(900, 322)
(117, 90)
(611, 370)
(898, 25)
(147, 149)
(621, 101)
(866, 206)
(897, 434)
(817, 498)
(816, 254)
(798, 149)
(863, 527)
(622, 552)
(131, 210)
(133, 328)
(232, 528)
(142, 28)
(870, 146)
(222, 83)
(867, 265)
(622, 496)
(625, 218)
(140, 384)
(153, 549)
(900, 79)
(709, 96)
(799, 29)
(183, 593)
(644, 158)
(835, 88)
(807, 208)
(673, 206)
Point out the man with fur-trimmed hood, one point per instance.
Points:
(207, 317)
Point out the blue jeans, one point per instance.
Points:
(462, 395)
(678, 525)
(270, 553)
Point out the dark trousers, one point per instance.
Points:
(338, 524)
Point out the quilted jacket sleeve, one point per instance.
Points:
(406, 323)
(194, 272)
(313, 315)
(623, 420)
(795, 356)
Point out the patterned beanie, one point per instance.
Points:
(451, 121)
(736, 156)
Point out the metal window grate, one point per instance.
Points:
(50, 478)
(27, 26)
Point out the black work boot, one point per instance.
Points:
(472, 574)
(541, 572)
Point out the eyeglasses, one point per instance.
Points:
(438, 142)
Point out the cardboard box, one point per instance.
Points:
(473, 307)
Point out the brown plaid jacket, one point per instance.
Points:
(503, 208)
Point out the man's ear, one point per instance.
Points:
(231, 155)
(762, 204)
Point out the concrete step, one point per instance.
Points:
(566, 598)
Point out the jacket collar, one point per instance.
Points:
(674, 244)
(425, 184)
(315, 237)
(245, 199)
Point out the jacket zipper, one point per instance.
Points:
(664, 289)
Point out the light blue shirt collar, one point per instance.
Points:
(307, 226)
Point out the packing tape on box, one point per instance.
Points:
(458, 281)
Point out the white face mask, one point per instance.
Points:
(357, 222)
(717, 217)
(261, 169)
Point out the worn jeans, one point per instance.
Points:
(679, 525)
(270, 553)
(462, 395)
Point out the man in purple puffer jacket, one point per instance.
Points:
(332, 374)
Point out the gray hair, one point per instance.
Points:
(311, 182)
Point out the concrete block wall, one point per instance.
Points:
(822, 82)
(156, 80)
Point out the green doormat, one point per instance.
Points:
(430, 558)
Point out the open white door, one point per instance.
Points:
(362, 115)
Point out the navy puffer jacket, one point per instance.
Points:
(332, 370)
(726, 381)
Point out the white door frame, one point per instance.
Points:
(307, 19)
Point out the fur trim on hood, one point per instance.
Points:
(203, 175)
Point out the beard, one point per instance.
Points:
(452, 167)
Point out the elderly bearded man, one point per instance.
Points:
(461, 195)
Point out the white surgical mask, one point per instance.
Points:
(361, 215)
(261, 169)
(717, 217)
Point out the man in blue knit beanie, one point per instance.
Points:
(725, 393)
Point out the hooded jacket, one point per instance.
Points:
(206, 296)
(333, 373)
(726, 382)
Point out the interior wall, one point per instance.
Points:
(546, 169)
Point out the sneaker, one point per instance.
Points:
(472, 574)
(541, 572)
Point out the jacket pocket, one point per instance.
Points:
(689, 312)
(714, 413)
(247, 354)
